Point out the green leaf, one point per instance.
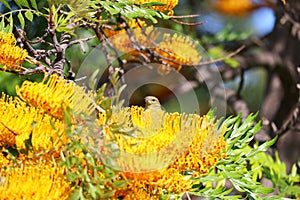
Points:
(5, 3)
(153, 4)
(265, 146)
(93, 79)
(68, 121)
(119, 184)
(263, 190)
(232, 62)
(77, 194)
(22, 3)
(33, 4)
(2, 25)
(11, 24)
(21, 19)
(29, 15)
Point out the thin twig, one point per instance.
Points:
(184, 16)
(187, 23)
(81, 40)
(220, 59)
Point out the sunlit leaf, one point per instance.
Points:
(22, 3)
(6, 4)
(29, 15)
(21, 19)
(33, 4)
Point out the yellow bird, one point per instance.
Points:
(152, 103)
(155, 114)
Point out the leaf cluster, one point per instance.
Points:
(245, 166)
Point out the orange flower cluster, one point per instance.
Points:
(16, 121)
(178, 50)
(55, 96)
(34, 182)
(168, 7)
(175, 50)
(47, 102)
(34, 127)
(233, 7)
(141, 36)
(155, 158)
(11, 56)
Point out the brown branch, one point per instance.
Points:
(184, 16)
(291, 122)
(186, 23)
(78, 41)
(19, 34)
(220, 59)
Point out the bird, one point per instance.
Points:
(152, 103)
(154, 113)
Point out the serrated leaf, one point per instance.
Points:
(21, 19)
(5, 3)
(29, 15)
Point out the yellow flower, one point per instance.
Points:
(48, 133)
(155, 158)
(140, 194)
(34, 182)
(206, 149)
(169, 5)
(178, 50)
(7, 38)
(11, 56)
(142, 36)
(16, 120)
(56, 95)
(4, 161)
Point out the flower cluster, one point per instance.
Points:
(55, 96)
(32, 124)
(142, 36)
(163, 149)
(178, 50)
(34, 182)
(232, 7)
(168, 7)
(11, 56)
(174, 50)
(162, 153)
